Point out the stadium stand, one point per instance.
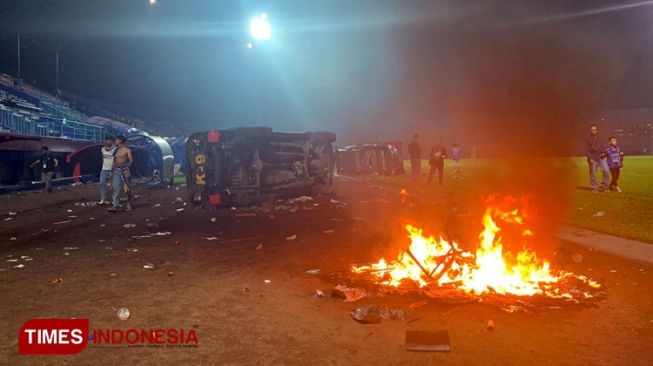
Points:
(27, 111)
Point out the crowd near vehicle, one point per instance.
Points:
(248, 165)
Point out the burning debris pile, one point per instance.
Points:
(440, 268)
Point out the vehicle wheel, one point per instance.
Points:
(324, 136)
(253, 132)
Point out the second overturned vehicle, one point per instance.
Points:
(248, 165)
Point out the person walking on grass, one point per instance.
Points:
(122, 160)
(108, 151)
(615, 158)
(593, 150)
(48, 167)
(436, 161)
(415, 154)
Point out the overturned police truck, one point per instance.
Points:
(248, 165)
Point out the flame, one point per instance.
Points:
(431, 261)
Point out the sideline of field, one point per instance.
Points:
(627, 214)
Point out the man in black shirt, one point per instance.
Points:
(436, 161)
(48, 167)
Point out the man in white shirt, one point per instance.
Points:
(108, 151)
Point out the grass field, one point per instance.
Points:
(627, 214)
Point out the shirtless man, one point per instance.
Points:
(122, 160)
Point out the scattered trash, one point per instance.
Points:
(148, 266)
(170, 273)
(180, 209)
(613, 271)
(210, 238)
(129, 226)
(214, 219)
(70, 248)
(177, 242)
(318, 294)
(292, 237)
(374, 314)
(8, 219)
(13, 238)
(72, 216)
(152, 225)
(302, 199)
(490, 325)
(267, 281)
(62, 222)
(123, 314)
(157, 205)
(425, 341)
(132, 250)
(12, 260)
(113, 274)
(69, 210)
(350, 294)
(259, 247)
(66, 253)
(19, 266)
(599, 214)
(56, 281)
(334, 201)
(12, 213)
(313, 271)
(577, 258)
(330, 231)
(145, 236)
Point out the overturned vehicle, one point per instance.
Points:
(248, 165)
(382, 159)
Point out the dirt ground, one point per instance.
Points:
(249, 298)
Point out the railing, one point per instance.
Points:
(50, 127)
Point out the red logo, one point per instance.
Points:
(53, 336)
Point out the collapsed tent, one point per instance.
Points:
(153, 161)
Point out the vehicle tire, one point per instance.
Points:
(253, 132)
(324, 136)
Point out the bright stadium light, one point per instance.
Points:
(259, 27)
(152, 2)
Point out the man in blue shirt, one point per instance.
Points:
(593, 150)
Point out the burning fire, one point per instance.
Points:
(431, 261)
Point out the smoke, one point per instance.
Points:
(521, 93)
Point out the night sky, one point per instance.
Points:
(367, 69)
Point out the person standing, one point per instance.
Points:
(615, 159)
(415, 154)
(456, 154)
(436, 161)
(593, 150)
(122, 160)
(108, 150)
(48, 167)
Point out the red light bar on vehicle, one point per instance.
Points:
(213, 136)
(215, 199)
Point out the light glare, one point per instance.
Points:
(259, 27)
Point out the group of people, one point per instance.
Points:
(436, 159)
(609, 159)
(116, 160)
